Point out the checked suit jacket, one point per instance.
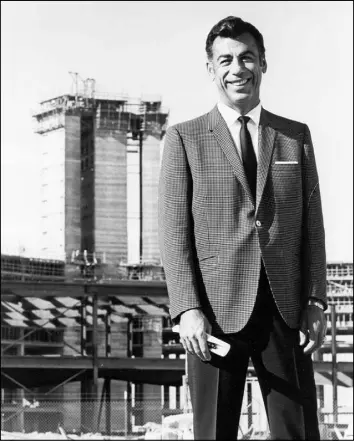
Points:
(213, 235)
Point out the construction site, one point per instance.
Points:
(86, 339)
(91, 356)
(91, 144)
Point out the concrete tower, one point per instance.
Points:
(85, 145)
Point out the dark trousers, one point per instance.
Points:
(217, 387)
(308, 389)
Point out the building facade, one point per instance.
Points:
(86, 143)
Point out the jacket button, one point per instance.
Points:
(258, 223)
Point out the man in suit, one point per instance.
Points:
(242, 243)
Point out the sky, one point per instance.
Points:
(158, 48)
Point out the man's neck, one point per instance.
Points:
(240, 108)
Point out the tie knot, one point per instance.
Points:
(244, 119)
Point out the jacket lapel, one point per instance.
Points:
(218, 127)
(266, 138)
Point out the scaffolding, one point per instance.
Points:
(82, 322)
(112, 112)
(96, 311)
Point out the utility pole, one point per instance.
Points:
(141, 134)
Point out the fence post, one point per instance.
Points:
(249, 404)
(108, 407)
(108, 379)
(95, 359)
(128, 393)
(334, 363)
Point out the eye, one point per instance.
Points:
(248, 58)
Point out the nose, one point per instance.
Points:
(236, 66)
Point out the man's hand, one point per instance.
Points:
(193, 327)
(313, 324)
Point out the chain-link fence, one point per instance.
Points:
(121, 418)
(118, 418)
(337, 424)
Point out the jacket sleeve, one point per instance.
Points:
(314, 253)
(176, 236)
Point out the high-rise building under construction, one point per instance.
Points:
(87, 142)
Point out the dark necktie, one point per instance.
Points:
(248, 155)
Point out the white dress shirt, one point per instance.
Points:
(231, 118)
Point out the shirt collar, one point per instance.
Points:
(231, 115)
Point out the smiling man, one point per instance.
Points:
(237, 67)
(243, 246)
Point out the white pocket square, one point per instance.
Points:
(286, 162)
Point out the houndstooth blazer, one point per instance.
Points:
(213, 234)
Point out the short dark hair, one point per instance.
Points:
(233, 27)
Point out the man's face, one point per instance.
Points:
(237, 68)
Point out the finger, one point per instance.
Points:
(187, 346)
(303, 330)
(184, 347)
(325, 328)
(315, 341)
(323, 333)
(303, 337)
(321, 337)
(310, 347)
(317, 331)
(204, 347)
(196, 348)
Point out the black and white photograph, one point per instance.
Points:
(176, 220)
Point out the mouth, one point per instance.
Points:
(240, 83)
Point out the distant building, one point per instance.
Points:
(86, 143)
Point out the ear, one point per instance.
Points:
(264, 65)
(210, 69)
